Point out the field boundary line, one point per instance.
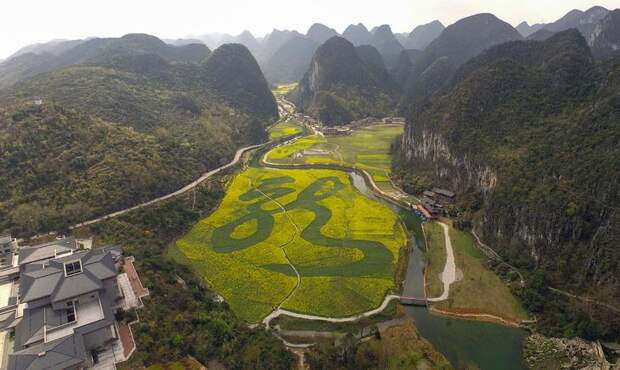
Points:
(283, 246)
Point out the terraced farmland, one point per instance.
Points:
(275, 224)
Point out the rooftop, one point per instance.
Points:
(86, 313)
(53, 281)
(444, 192)
(42, 252)
(54, 355)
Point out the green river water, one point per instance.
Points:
(464, 342)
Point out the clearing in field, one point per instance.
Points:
(273, 224)
(479, 290)
(284, 129)
(367, 148)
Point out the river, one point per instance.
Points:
(463, 342)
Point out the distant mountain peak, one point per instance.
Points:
(470, 36)
(423, 35)
(605, 37)
(384, 40)
(343, 83)
(235, 74)
(321, 33)
(357, 34)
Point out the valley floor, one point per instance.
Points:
(303, 241)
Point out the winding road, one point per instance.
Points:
(184, 189)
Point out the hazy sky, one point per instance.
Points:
(25, 22)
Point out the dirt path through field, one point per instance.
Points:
(448, 276)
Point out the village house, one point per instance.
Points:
(432, 203)
(394, 120)
(337, 131)
(444, 196)
(57, 308)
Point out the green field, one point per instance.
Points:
(436, 257)
(283, 90)
(344, 245)
(284, 129)
(480, 290)
(367, 148)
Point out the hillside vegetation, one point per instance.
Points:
(340, 86)
(528, 133)
(123, 128)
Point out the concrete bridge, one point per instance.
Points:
(413, 301)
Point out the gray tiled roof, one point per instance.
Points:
(29, 254)
(55, 355)
(51, 281)
(443, 192)
(30, 328)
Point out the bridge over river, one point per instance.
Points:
(413, 301)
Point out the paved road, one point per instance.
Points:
(388, 298)
(174, 194)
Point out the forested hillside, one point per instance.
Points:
(528, 133)
(124, 127)
(96, 51)
(341, 85)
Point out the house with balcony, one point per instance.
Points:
(63, 313)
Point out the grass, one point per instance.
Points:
(480, 290)
(344, 245)
(284, 129)
(436, 257)
(367, 148)
(291, 323)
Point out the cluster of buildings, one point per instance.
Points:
(59, 302)
(375, 121)
(343, 130)
(433, 202)
(337, 131)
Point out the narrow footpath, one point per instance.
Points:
(448, 276)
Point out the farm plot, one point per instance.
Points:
(273, 223)
(284, 129)
(367, 148)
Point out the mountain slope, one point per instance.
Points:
(320, 33)
(273, 42)
(584, 22)
(291, 61)
(527, 134)
(457, 44)
(385, 42)
(357, 34)
(124, 129)
(371, 56)
(54, 47)
(470, 36)
(233, 74)
(340, 86)
(96, 51)
(526, 30)
(423, 35)
(605, 37)
(63, 166)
